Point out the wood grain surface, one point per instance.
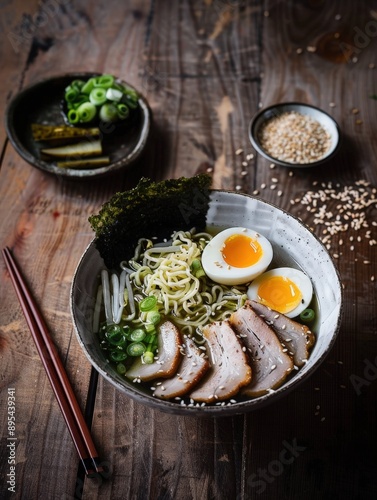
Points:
(206, 67)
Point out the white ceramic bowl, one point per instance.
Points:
(327, 122)
(293, 244)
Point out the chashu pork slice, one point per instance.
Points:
(230, 369)
(294, 336)
(190, 371)
(270, 364)
(168, 358)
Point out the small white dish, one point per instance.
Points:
(324, 119)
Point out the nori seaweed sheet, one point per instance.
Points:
(150, 210)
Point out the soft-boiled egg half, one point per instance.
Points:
(284, 289)
(236, 256)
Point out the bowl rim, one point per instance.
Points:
(71, 173)
(212, 410)
(252, 132)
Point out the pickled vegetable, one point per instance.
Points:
(89, 148)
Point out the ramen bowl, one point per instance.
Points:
(294, 245)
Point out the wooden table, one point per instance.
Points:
(206, 67)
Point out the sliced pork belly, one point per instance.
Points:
(191, 369)
(169, 356)
(295, 337)
(230, 369)
(270, 364)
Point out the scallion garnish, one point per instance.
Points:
(307, 316)
(136, 349)
(112, 101)
(153, 317)
(123, 111)
(104, 81)
(86, 112)
(108, 113)
(148, 303)
(98, 96)
(148, 358)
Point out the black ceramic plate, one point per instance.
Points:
(42, 103)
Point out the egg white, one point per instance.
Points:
(299, 278)
(219, 271)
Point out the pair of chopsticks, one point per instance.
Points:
(55, 371)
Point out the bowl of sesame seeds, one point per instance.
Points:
(294, 134)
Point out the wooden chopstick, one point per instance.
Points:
(55, 371)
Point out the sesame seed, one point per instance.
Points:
(239, 151)
(295, 138)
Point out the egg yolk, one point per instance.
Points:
(279, 293)
(240, 250)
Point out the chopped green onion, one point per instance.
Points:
(130, 92)
(153, 317)
(148, 303)
(118, 86)
(88, 87)
(114, 101)
(104, 81)
(80, 99)
(86, 112)
(197, 268)
(150, 328)
(123, 111)
(121, 369)
(108, 113)
(126, 330)
(307, 316)
(118, 356)
(136, 349)
(138, 335)
(150, 338)
(97, 96)
(71, 94)
(148, 358)
(73, 116)
(131, 101)
(115, 335)
(114, 94)
(78, 84)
